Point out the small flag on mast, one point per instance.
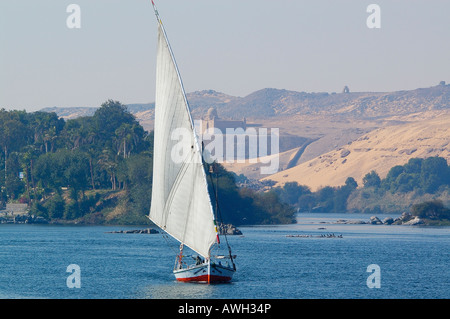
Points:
(156, 12)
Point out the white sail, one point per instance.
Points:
(180, 203)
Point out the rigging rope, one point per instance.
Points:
(218, 212)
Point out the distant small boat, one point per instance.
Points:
(181, 205)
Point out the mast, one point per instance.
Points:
(213, 169)
(175, 63)
(178, 173)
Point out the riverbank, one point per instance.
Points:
(224, 229)
(406, 219)
(24, 218)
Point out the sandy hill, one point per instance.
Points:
(327, 137)
(379, 150)
(252, 170)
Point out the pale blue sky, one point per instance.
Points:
(232, 46)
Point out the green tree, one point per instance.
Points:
(129, 137)
(414, 166)
(434, 173)
(49, 172)
(12, 137)
(45, 128)
(434, 209)
(389, 183)
(372, 180)
(75, 166)
(15, 185)
(139, 175)
(55, 206)
(291, 192)
(63, 168)
(79, 132)
(350, 184)
(109, 117)
(307, 202)
(108, 163)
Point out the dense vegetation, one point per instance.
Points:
(327, 199)
(424, 175)
(66, 169)
(431, 210)
(243, 206)
(98, 169)
(418, 180)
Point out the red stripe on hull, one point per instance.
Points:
(204, 278)
(204, 273)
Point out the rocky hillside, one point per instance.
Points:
(360, 104)
(327, 137)
(378, 150)
(269, 103)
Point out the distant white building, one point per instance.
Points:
(17, 209)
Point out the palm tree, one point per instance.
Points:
(128, 137)
(106, 162)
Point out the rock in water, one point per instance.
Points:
(403, 218)
(228, 229)
(374, 220)
(135, 231)
(415, 221)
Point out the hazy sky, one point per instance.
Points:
(232, 46)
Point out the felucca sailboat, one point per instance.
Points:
(181, 204)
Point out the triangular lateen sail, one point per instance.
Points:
(180, 203)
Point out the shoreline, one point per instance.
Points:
(406, 219)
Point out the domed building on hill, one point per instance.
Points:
(212, 120)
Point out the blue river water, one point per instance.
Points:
(296, 261)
